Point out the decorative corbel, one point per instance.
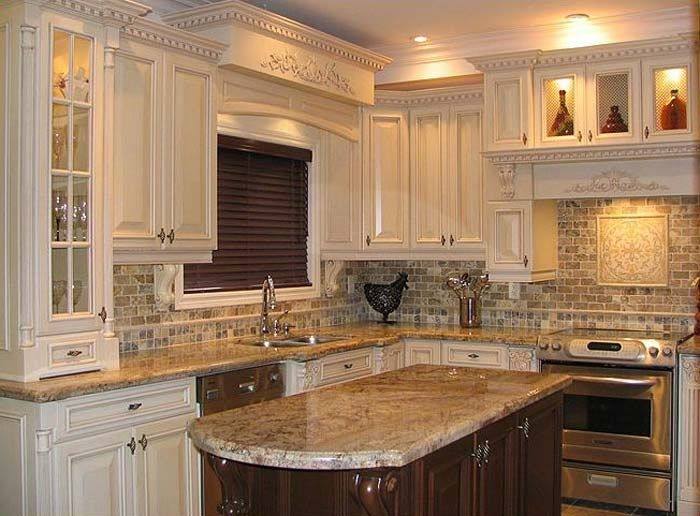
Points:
(164, 279)
(332, 270)
(506, 180)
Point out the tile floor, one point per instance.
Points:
(581, 508)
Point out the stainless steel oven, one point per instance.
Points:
(618, 415)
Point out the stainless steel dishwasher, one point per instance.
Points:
(227, 391)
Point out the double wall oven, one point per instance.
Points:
(618, 414)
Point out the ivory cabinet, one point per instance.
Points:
(386, 213)
(124, 452)
(422, 352)
(164, 153)
(390, 358)
(688, 472)
(522, 240)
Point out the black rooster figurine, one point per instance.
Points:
(386, 298)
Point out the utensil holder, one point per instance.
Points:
(469, 312)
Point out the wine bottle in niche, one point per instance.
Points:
(563, 124)
(614, 123)
(673, 114)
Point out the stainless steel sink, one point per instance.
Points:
(304, 340)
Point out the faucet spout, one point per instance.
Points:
(269, 302)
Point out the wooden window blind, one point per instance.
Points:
(263, 204)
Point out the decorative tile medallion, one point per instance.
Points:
(633, 250)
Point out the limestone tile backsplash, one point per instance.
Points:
(573, 298)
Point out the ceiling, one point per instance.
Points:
(380, 23)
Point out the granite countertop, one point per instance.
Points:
(690, 346)
(387, 420)
(203, 358)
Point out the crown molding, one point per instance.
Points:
(454, 95)
(167, 36)
(598, 153)
(635, 26)
(114, 11)
(525, 59)
(221, 13)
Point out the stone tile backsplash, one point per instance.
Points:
(573, 298)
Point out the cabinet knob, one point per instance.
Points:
(74, 353)
(161, 235)
(442, 240)
(103, 315)
(524, 139)
(368, 240)
(525, 427)
(579, 136)
(590, 135)
(646, 132)
(525, 261)
(132, 445)
(452, 240)
(171, 236)
(143, 442)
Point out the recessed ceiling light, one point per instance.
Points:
(577, 17)
(420, 38)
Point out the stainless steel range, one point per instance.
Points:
(618, 414)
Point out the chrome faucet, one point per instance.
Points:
(269, 302)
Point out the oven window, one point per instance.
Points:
(622, 416)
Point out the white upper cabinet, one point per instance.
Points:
(670, 89)
(508, 109)
(164, 178)
(386, 179)
(560, 106)
(614, 103)
(429, 171)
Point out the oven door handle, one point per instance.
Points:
(630, 382)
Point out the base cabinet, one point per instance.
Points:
(688, 437)
(509, 468)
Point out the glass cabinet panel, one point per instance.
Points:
(613, 102)
(670, 99)
(559, 102)
(71, 174)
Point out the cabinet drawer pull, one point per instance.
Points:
(74, 353)
(161, 235)
(442, 240)
(347, 366)
(525, 261)
(452, 240)
(103, 315)
(143, 442)
(246, 387)
(590, 135)
(132, 445)
(525, 427)
(368, 240)
(171, 236)
(646, 132)
(579, 136)
(134, 406)
(473, 355)
(524, 139)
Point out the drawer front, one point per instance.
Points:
(72, 353)
(116, 409)
(475, 355)
(422, 352)
(346, 366)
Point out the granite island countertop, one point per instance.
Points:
(387, 420)
(204, 358)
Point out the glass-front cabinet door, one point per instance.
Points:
(560, 106)
(73, 293)
(614, 103)
(670, 104)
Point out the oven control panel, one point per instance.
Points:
(606, 349)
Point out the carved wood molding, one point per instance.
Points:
(520, 359)
(455, 95)
(164, 35)
(164, 286)
(115, 11)
(331, 271)
(506, 180)
(312, 374)
(308, 70)
(691, 370)
(526, 59)
(233, 486)
(279, 26)
(608, 153)
(615, 181)
(383, 357)
(377, 493)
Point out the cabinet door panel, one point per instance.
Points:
(540, 458)
(192, 156)
(509, 227)
(428, 176)
(386, 186)
(508, 108)
(447, 480)
(137, 131)
(166, 470)
(94, 476)
(466, 180)
(498, 475)
(560, 106)
(342, 212)
(422, 352)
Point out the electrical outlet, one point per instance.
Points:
(513, 290)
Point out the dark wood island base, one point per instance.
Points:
(511, 467)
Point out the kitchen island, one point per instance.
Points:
(425, 440)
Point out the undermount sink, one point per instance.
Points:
(304, 340)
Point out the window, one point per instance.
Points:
(263, 223)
